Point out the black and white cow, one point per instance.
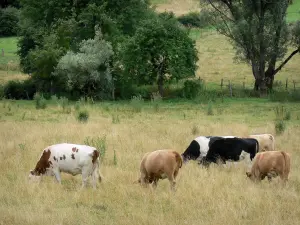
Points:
(226, 149)
(199, 147)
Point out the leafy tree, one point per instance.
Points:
(9, 18)
(88, 70)
(9, 3)
(259, 32)
(159, 51)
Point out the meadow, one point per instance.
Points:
(126, 130)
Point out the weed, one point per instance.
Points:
(195, 130)
(136, 103)
(40, 101)
(64, 103)
(115, 158)
(82, 116)
(22, 146)
(99, 143)
(210, 111)
(279, 127)
(115, 118)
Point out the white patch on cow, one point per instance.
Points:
(203, 142)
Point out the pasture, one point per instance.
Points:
(127, 130)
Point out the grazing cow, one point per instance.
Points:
(160, 164)
(270, 164)
(199, 147)
(230, 149)
(69, 158)
(266, 141)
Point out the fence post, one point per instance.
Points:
(294, 82)
(230, 88)
(222, 83)
(286, 84)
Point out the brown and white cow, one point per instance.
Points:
(69, 158)
(160, 164)
(270, 164)
(266, 141)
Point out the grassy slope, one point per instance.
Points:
(10, 50)
(293, 12)
(217, 196)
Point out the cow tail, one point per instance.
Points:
(287, 164)
(178, 159)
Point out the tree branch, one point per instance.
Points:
(285, 61)
(219, 11)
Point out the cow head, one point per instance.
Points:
(34, 176)
(250, 175)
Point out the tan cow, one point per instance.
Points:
(270, 164)
(266, 141)
(160, 164)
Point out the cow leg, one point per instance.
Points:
(95, 177)
(154, 184)
(57, 175)
(172, 181)
(85, 175)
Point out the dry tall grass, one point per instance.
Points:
(215, 196)
(178, 7)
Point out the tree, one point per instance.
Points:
(9, 18)
(159, 50)
(88, 70)
(259, 32)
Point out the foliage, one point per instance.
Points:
(19, 89)
(159, 51)
(82, 116)
(99, 143)
(192, 88)
(9, 18)
(40, 101)
(280, 126)
(88, 71)
(195, 19)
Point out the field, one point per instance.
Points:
(215, 196)
(128, 129)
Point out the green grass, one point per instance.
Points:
(9, 45)
(293, 12)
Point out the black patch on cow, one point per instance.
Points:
(231, 149)
(60, 158)
(212, 139)
(50, 162)
(64, 157)
(54, 158)
(192, 152)
(73, 156)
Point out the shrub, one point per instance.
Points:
(64, 103)
(40, 101)
(192, 88)
(9, 18)
(136, 103)
(279, 126)
(82, 116)
(99, 143)
(19, 89)
(195, 19)
(282, 113)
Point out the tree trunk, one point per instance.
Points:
(160, 84)
(262, 51)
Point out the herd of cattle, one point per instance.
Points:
(82, 159)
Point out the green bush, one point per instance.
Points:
(19, 89)
(192, 88)
(40, 101)
(195, 19)
(9, 18)
(279, 126)
(82, 116)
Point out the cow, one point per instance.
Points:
(199, 147)
(225, 149)
(160, 164)
(266, 141)
(270, 164)
(69, 158)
